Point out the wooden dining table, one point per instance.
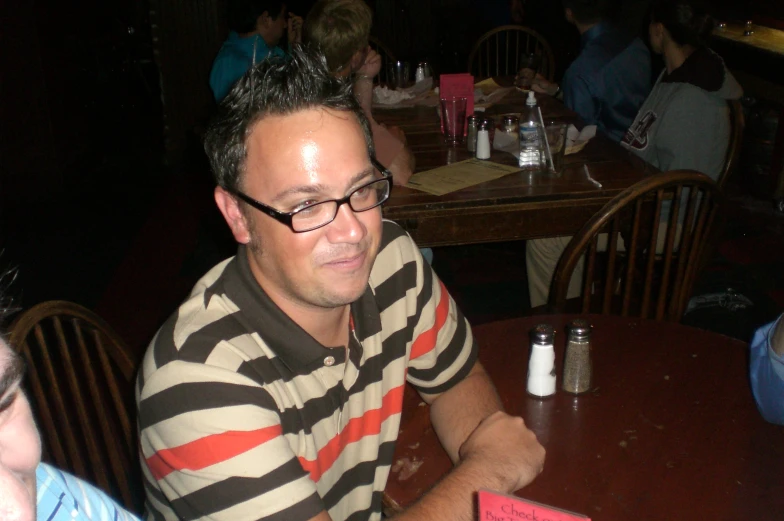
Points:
(516, 206)
(669, 429)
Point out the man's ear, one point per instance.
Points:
(229, 206)
(569, 15)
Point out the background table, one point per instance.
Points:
(516, 206)
(670, 430)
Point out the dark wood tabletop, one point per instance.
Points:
(516, 206)
(669, 431)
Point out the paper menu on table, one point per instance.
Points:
(499, 507)
(446, 179)
(457, 86)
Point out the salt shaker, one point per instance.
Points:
(578, 370)
(482, 141)
(471, 134)
(541, 366)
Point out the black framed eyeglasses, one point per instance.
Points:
(316, 215)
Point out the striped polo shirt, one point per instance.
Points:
(244, 416)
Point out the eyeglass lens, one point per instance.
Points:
(362, 199)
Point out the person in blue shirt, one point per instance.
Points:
(30, 489)
(766, 370)
(253, 24)
(611, 77)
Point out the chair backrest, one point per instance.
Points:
(655, 275)
(498, 52)
(737, 125)
(386, 58)
(80, 378)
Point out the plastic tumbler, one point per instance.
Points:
(453, 112)
(399, 74)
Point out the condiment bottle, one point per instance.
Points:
(482, 141)
(531, 137)
(578, 370)
(541, 365)
(471, 133)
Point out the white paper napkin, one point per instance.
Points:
(576, 140)
(387, 96)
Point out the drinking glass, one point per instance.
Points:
(399, 74)
(453, 112)
(556, 138)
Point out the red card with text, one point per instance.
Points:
(499, 507)
(457, 86)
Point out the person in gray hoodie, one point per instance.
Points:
(684, 123)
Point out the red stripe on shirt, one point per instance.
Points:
(209, 450)
(426, 341)
(368, 424)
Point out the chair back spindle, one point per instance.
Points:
(500, 51)
(640, 254)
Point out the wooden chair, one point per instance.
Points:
(499, 51)
(646, 282)
(737, 125)
(387, 57)
(80, 378)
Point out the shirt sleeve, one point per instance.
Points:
(766, 371)
(226, 70)
(443, 349)
(577, 97)
(213, 444)
(60, 495)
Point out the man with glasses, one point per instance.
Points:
(275, 391)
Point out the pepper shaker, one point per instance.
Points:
(578, 370)
(471, 134)
(541, 365)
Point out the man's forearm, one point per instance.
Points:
(363, 90)
(402, 166)
(456, 413)
(453, 497)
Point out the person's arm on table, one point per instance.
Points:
(766, 370)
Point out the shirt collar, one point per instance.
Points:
(299, 351)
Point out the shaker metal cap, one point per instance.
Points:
(580, 328)
(542, 334)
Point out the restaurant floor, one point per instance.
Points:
(133, 259)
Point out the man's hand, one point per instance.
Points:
(371, 66)
(295, 28)
(506, 449)
(542, 85)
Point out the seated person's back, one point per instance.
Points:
(256, 28)
(608, 81)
